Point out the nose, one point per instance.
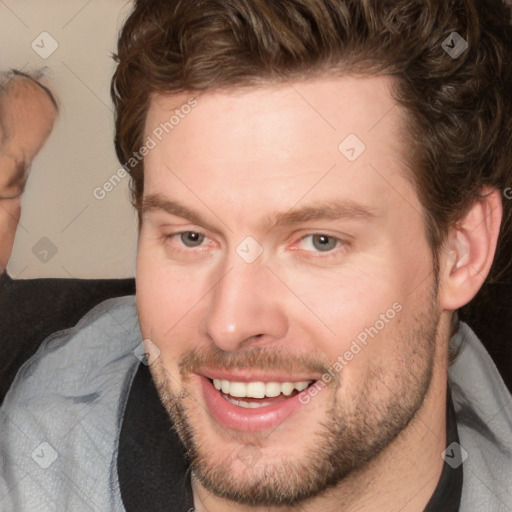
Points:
(244, 308)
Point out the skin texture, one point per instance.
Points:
(372, 438)
(27, 118)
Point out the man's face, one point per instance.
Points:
(27, 117)
(268, 253)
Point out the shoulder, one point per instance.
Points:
(62, 414)
(104, 336)
(483, 406)
(33, 309)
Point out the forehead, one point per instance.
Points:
(326, 109)
(27, 116)
(275, 140)
(22, 92)
(26, 106)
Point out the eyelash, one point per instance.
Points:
(340, 243)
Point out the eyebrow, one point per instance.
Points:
(329, 210)
(156, 202)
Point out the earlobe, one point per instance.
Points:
(469, 251)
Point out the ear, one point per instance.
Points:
(469, 251)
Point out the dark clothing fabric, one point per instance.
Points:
(448, 493)
(32, 309)
(151, 467)
(154, 475)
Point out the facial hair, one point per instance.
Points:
(349, 438)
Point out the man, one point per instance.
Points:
(28, 110)
(319, 186)
(27, 114)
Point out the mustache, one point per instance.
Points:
(256, 358)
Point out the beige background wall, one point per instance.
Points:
(91, 237)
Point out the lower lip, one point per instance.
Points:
(247, 420)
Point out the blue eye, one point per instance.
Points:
(191, 238)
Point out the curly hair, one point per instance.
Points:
(459, 131)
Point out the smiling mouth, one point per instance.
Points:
(253, 395)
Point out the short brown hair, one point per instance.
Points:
(460, 108)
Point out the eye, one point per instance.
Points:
(191, 238)
(188, 245)
(324, 242)
(320, 242)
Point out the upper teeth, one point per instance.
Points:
(259, 389)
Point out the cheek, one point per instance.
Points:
(365, 301)
(344, 301)
(168, 299)
(152, 292)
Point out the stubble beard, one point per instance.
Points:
(343, 444)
